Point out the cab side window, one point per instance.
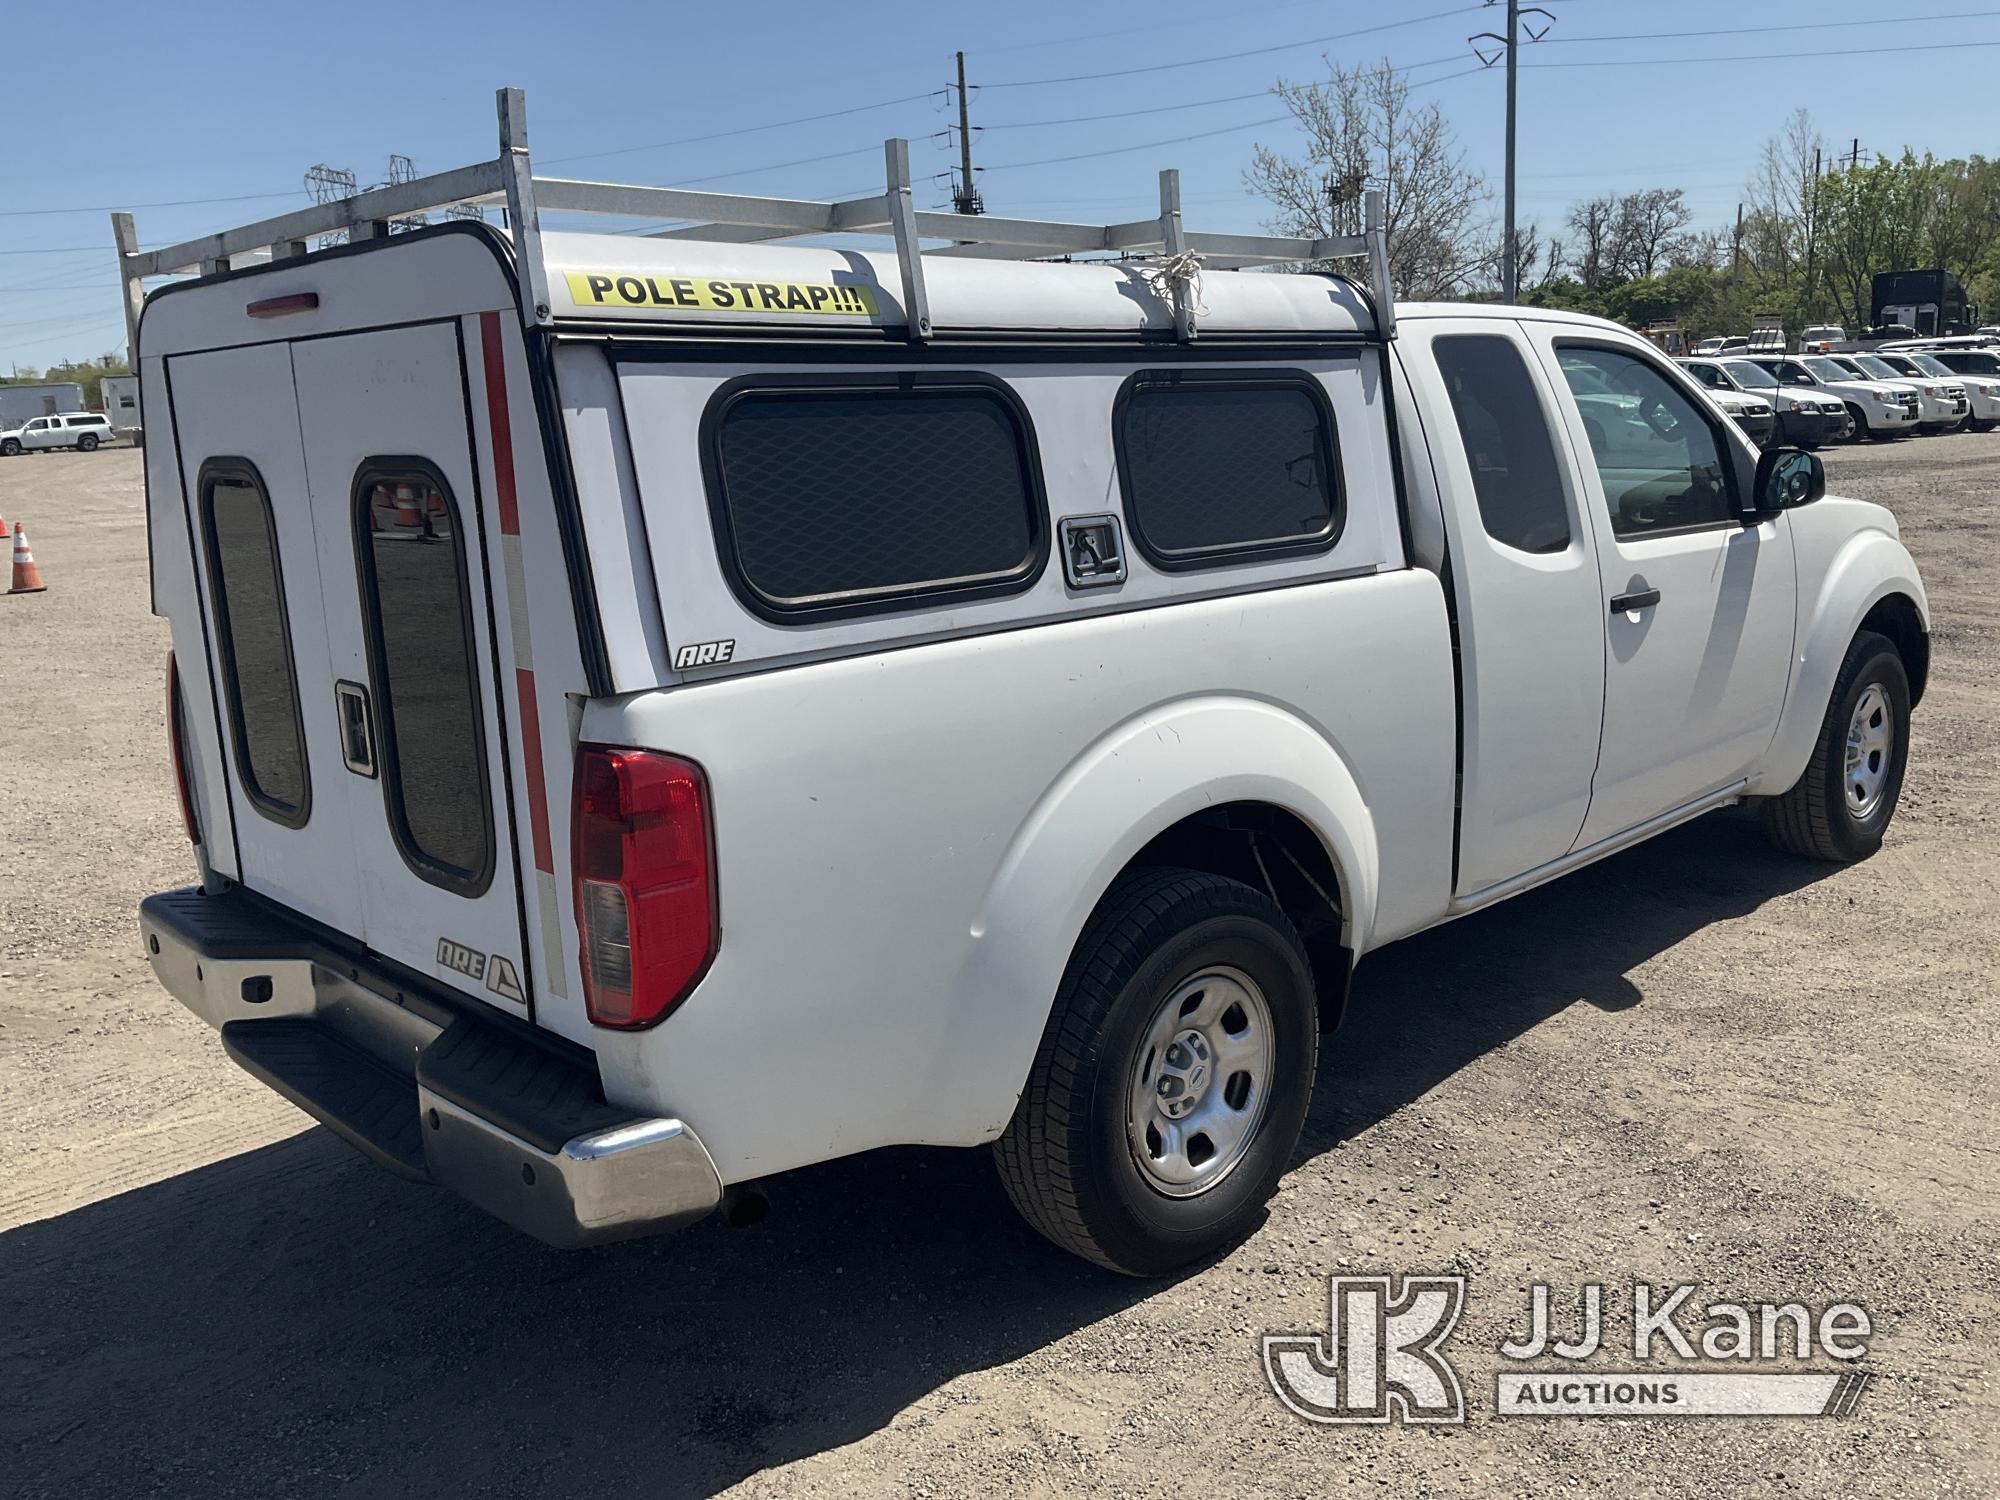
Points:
(1515, 477)
(1663, 467)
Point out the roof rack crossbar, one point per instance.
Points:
(735, 218)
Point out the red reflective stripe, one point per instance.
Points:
(496, 417)
(531, 755)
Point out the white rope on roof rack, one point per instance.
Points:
(1164, 275)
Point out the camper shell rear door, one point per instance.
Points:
(346, 544)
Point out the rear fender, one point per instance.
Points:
(1132, 784)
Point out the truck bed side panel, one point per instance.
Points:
(869, 811)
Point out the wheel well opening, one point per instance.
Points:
(1275, 851)
(1896, 617)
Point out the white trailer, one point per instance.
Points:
(120, 396)
(21, 404)
(656, 711)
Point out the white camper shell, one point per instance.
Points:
(661, 709)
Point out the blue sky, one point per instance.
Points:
(211, 101)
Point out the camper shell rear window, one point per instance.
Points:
(253, 638)
(838, 495)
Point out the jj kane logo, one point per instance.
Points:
(1382, 1357)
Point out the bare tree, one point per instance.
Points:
(1594, 222)
(1649, 223)
(1782, 194)
(1360, 129)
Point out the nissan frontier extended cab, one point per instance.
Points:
(655, 711)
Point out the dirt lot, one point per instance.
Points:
(1700, 1061)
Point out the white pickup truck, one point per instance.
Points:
(655, 712)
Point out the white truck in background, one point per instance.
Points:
(653, 713)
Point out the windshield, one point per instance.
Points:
(1931, 365)
(1826, 331)
(1828, 369)
(1879, 369)
(1749, 376)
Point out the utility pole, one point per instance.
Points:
(966, 199)
(1736, 250)
(1854, 161)
(1510, 47)
(1812, 233)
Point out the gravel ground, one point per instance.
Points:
(1700, 1061)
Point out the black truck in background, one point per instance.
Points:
(1929, 304)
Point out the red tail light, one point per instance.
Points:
(644, 867)
(176, 738)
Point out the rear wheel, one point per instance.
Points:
(1173, 1078)
(87, 443)
(1840, 808)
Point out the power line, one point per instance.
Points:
(718, 135)
(1195, 62)
(1203, 135)
(1163, 109)
(1763, 57)
(105, 208)
(1662, 36)
(1125, 114)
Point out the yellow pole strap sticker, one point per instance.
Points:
(690, 294)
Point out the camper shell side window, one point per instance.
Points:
(1219, 466)
(844, 494)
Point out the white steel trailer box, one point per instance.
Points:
(658, 711)
(120, 397)
(21, 404)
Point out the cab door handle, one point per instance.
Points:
(1643, 599)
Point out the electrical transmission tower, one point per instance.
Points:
(326, 184)
(402, 169)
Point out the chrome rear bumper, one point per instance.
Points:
(426, 1085)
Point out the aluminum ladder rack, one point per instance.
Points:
(508, 180)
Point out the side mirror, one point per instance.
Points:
(1788, 477)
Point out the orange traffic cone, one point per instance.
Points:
(3, 528)
(27, 577)
(407, 513)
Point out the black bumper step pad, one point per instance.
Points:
(347, 1090)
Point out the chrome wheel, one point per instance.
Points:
(1871, 744)
(1200, 1082)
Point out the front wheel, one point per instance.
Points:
(1840, 808)
(1173, 1077)
(10, 447)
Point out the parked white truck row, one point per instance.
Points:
(1824, 398)
(761, 704)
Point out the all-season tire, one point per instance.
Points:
(1163, 945)
(87, 443)
(10, 447)
(1826, 814)
(1860, 432)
